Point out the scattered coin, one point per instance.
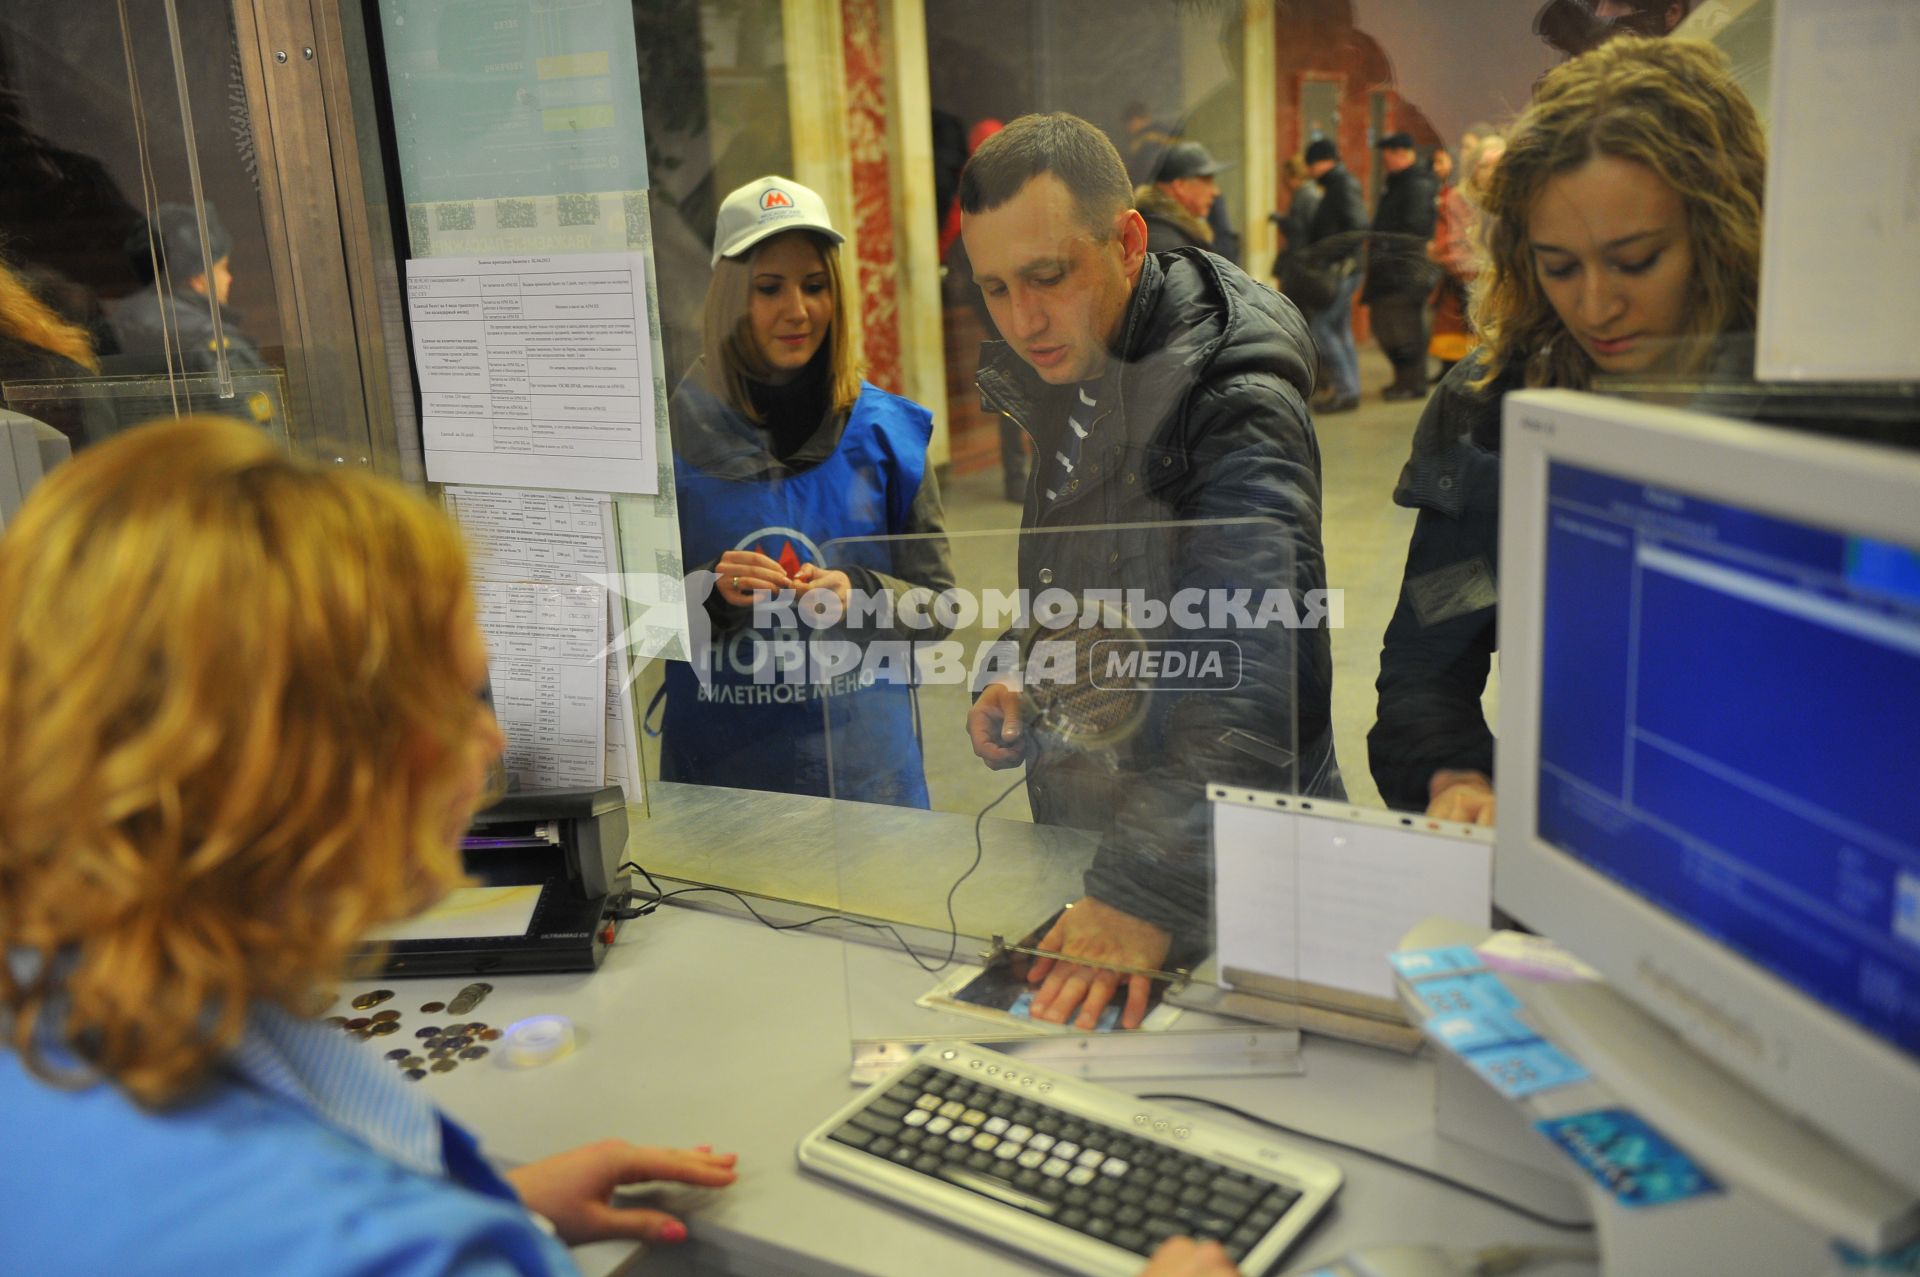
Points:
(489, 1035)
(460, 1043)
(388, 1014)
(414, 1075)
(413, 1062)
(372, 999)
(440, 1053)
(427, 1031)
(383, 1027)
(445, 1066)
(398, 1053)
(359, 1022)
(473, 1052)
(469, 998)
(431, 1007)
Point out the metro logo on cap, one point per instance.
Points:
(776, 198)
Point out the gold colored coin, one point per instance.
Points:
(383, 1027)
(388, 1014)
(431, 1007)
(473, 1052)
(489, 1035)
(445, 1066)
(359, 1022)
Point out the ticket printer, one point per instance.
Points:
(547, 883)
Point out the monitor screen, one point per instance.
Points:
(1709, 729)
(1721, 694)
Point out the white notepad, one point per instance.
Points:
(1321, 892)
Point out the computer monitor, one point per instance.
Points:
(1709, 747)
(28, 449)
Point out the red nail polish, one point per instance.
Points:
(674, 1233)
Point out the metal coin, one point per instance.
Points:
(462, 1004)
(413, 1062)
(398, 1053)
(383, 1016)
(440, 1053)
(460, 1043)
(427, 1031)
(359, 1022)
(431, 1007)
(445, 1066)
(372, 999)
(414, 1075)
(489, 1035)
(435, 1043)
(473, 1052)
(383, 1027)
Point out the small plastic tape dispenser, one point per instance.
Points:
(536, 1040)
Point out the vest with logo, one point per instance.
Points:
(778, 712)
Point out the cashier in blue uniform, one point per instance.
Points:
(240, 724)
(781, 452)
(203, 806)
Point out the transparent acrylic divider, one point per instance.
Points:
(1092, 839)
(93, 409)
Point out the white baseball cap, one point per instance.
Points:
(768, 206)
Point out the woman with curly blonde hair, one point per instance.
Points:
(1621, 237)
(240, 725)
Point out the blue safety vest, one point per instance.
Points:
(767, 720)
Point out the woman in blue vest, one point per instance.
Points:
(790, 469)
(240, 726)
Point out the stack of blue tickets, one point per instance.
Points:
(1472, 1014)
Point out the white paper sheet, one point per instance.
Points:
(469, 912)
(535, 370)
(1325, 899)
(526, 536)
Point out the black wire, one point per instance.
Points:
(953, 924)
(1564, 1225)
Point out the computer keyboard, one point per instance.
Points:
(1081, 1175)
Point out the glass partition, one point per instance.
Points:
(138, 260)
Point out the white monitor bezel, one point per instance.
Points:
(1803, 1056)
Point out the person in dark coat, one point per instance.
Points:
(1335, 238)
(1183, 192)
(1623, 237)
(1166, 397)
(1399, 276)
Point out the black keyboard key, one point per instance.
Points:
(1226, 1207)
(1132, 1239)
(980, 1162)
(1133, 1195)
(1128, 1216)
(1168, 1186)
(881, 1146)
(854, 1136)
(1203, 1224)
(956, 1152)
(1160, 1228)
(926, 1163)
(887, 1107)
(999, 1189)
(1073, 1217)
(1192, 1195)
(1159, 1204)
(875, 1122)
(1098, 1226)
(1236, 1186)
(902, 1155)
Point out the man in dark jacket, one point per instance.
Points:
(1399, 275)
(1177, 464)
(1184, 191)
(1334, 242)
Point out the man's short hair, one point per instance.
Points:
(1322, 149)
(1080, 155)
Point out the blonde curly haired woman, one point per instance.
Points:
(240, 725)
(1621, 237)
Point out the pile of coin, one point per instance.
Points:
(439, 1048)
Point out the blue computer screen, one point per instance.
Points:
(1730, 727)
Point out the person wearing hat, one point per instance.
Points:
(1181, 195)
(168, 326)
(1335, 236)
(782, 452)
(1399, 275)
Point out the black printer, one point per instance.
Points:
(546, 868)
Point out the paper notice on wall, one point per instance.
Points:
(537, 558)
(535, 371)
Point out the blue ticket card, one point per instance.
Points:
(1628, 1157)
(1418, 964)
(1477, 993)
(1523, 1068)
(1475, 1031)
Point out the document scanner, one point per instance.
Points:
(545, 864)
